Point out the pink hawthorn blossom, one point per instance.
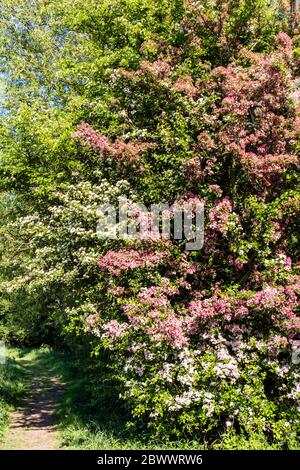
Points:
(117, 262)
(123, 153)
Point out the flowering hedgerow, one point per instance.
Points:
(203, 340)
(202, 107)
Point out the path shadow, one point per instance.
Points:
(38, 406)
(67, 391)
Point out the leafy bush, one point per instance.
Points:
(159, 101)
(204, 340)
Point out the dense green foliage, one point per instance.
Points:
(157, 100)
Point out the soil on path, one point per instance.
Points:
(32, 426)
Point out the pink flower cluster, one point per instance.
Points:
(279, 304)
(117, 262)
(209, 308)
(285, 44)
(118, 291)
(192, 170)
(92, 324)
(92, 138)
(169, 330)
(189, 200)
(144, 223)
(159, 69)
(219, 215)
(186, 85)
(92, 319)
(267, 168)
(114, 329)
(157, 296)
(123, 153)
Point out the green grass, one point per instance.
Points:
(88, 414)
(12, 387)
(255, 442)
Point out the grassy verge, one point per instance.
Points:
(12, 386)
(88, 414)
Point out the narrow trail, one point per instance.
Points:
(32, 425)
